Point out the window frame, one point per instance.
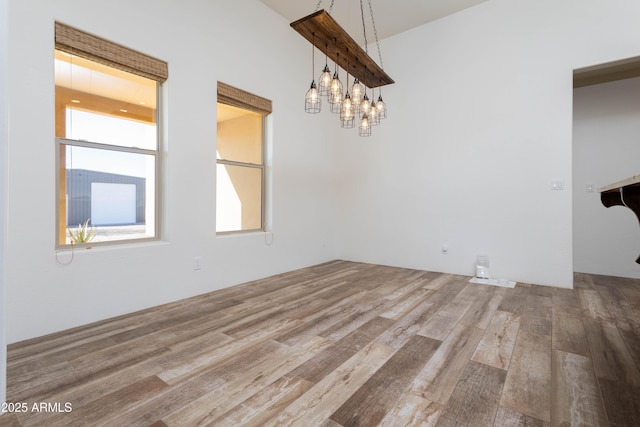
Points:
(238, 98)
(263, 185)
(68, 142)
(93, 48)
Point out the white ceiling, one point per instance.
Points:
(391, 16)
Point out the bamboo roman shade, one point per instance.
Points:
(79, 43)
(239, 98)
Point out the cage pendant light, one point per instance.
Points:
(365, 126)
(347, 114)
(356, 95)
(374, 118)
(365, 109)
(335, 94)
(365, 103)
(324, 82)
(312, 101)
(335, 101)
(381, 108)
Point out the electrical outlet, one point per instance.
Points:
(197, 263)
(590, 188)
(557, 185)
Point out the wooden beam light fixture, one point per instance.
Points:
(325, 34)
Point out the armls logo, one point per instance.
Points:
(15, 407)
(51, 407)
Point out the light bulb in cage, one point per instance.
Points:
(356, 94)
(335, 103)
(381, 107)
(374, 118)
(365, 105)
(324, 82)
(312, 99)
(336, 87)
(335, 94)
(347, 115)
(365, 126)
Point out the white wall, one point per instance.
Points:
(479, 124)
(4, 31)
(240, 43)
(606, 131)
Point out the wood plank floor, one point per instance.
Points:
(346, 344)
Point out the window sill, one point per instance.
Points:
(266, 235)
(110, 246)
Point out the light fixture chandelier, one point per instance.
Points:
(329, 37)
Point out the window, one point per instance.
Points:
(108, 155)
(240, 175)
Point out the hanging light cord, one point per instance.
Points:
(364, 28)
(313, 56)
(330, 6)
(375, 33)
(347, 70)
